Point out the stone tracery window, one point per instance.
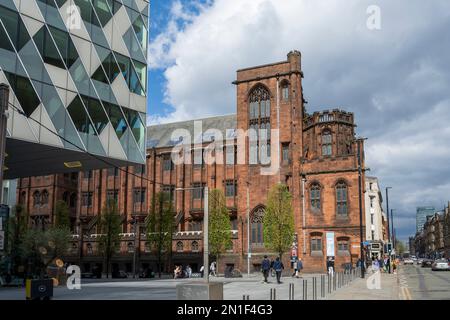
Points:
(341, 199)
(327, 143)
(257, 226)
(315, 197)
(259, 124)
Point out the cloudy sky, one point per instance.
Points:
(396, 79)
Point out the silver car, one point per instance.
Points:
(441, 264)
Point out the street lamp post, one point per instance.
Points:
(388, 225)
(360, 208)
(249, 254)
(392, 233)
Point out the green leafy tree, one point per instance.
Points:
(219, 226)
(161, 226)
(33, 250)
(62, 219)
(278, 223)
(110, 226)
(16, 230)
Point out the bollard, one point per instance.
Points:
(305, 289)
(291, 291)
(334, 282)
(329, 284)
(322, 286)
(273, 294)
(314, 288)
(245, 297)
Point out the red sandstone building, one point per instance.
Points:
(318, 162)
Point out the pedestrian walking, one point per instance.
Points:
(265, 268)
(299, 267)
(202, 271)
(212, 269)
(188, 271)
(278, 266)
(295, 267)
(330, 266)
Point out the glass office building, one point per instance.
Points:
(77, 70)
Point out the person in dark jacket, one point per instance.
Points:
(278, 266)
(265, 268)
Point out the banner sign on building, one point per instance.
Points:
(330, 244)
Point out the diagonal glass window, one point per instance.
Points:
(117, 119)
(47, 48)
(103, 12)
(109, 71)
(65, 45)
(15, 27)
(96, 112)
(79, 117)
(137, 127)
(24, 92)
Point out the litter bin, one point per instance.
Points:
(39, 289)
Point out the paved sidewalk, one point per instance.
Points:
(367, 289)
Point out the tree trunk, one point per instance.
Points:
(159, 263)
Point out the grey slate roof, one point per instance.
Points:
(161, 135)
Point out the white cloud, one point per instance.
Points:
(395, 79)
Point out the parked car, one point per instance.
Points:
(419, 261)
(408, 261)
(426, 263)
(441, 264)
(87, 275)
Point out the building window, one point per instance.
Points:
(315, 197)
(370, 186)
(373, 235)
(194, 246)
(113, 172)
(73, 200)
(230, 188)
(87, 174)
(36, 198)
(198, 157)
(257, 226)
(23, 197)
(44, 197)
(130, 247)
(89, 249)
(341, 199)
(139, 169)
(86, 198)
(285, 152)
(139, 195)
(234, 224)
(343, 246)
(170, 191)
(259, 125)
(371, 218)
(285, 91)
(197, 191)
(147, 247)
(167, 163)
(230, 154)
(180, 246)
(316, 243)
(112, 195)
(326, 143)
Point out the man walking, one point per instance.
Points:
(299, 267)
(265, 268)
(330, 266)
(278, 266)
(213, 269)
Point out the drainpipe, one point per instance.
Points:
(304, 214)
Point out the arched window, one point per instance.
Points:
(259, 123)
(74, 248)
(285, 91)
(89, 249)
(147, 247)
(44, 197)
(73, 200)
(194, 246)
(36, 198)
(257, 227)
(315, 197)
(180, 246)
(343, 246)
(341, 199)
(316, 243)
(327, 143)
(130, 247)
